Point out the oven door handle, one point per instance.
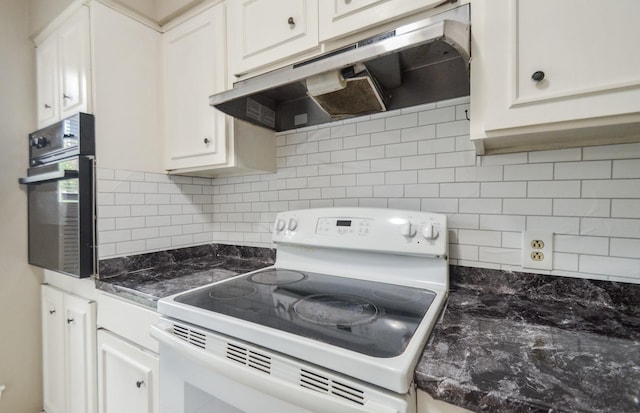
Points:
(270, 385)
(49, 177)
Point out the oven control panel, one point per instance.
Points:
(367, 229)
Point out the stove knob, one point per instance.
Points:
(429, 232)
(293, 224)
(408, 230)
(280, 225)
(39, 142)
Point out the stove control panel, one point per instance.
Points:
(368, 229)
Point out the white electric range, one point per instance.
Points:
(336, 325)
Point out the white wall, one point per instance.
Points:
(20, 353)
(417, 159)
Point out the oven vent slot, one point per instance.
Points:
(249, 358)
(317, 382)
(190, 336)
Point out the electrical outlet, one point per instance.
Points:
(537, 250)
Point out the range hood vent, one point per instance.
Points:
(414, 64)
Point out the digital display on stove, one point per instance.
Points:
(343, 223)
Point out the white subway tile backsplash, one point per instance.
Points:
(447, 160)
(581, 207)
(502, 222)
(625, 208)
(439, 205)
(628, 168)
(558, 225)
(611, 188)
(504, 159)
(418, 158)
(623, 151)
(525, 206)
(553, 189)
(503, 189)
(460, 190)
(401, 149)
(529, 172)
(440, 175)
(420, 133)
(556, 155)
(583, 170)
(481, 205)
(437, 146)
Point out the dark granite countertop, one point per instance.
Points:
(506, 342)
(516, 342)
(146, 278)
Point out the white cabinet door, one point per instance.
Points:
(194, 68)
(342, 17)
(127, 376)
(63, 60)
(69, 349)
(73, 43)
(263, 32)
(48, 75)
(80, 320)
(543, 69)
(53, 352)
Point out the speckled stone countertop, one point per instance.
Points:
(515, 342)
(146, 278)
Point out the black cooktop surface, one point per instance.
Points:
(372, 318)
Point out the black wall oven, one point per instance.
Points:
(61, 197)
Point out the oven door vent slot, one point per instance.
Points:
(249, 358)
(190, 336)
(314, 381)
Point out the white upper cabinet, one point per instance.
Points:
(63, 69)
(544, 71)
(262, 32)
(94, 58)
(199, 139)
(194, 69)
(343, 17)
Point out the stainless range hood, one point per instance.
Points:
(414, 64)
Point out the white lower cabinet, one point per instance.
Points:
(68, 343)
(127, 376)
(427, 404)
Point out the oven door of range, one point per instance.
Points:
(196, 376)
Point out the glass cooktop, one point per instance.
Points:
(372, 318)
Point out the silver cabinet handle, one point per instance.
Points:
(47, 106)
(139, 383)
(52, 311)
(65, 96)
(206, 141)
(69, 320)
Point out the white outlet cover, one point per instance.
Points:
(547, 250)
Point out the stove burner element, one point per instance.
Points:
(232, 292)
(277, 277)
(335, 310)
